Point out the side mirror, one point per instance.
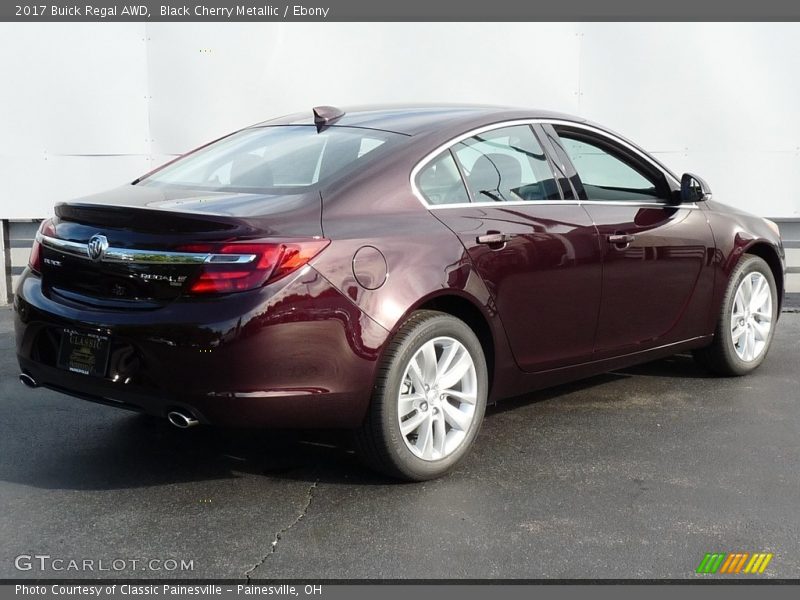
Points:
(694, 189)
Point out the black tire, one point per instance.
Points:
(721, 357)
(379, 441)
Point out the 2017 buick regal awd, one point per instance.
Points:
(390, 270)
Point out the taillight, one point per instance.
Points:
(270, 261)
(35, 259)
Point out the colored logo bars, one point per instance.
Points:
(734, 562)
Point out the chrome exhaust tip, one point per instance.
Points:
(27, 380)
(181, 420)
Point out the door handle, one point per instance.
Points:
(494, 238)
(621, 240)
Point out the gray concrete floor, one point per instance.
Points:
(626, 475)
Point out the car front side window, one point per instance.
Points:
(606, 175)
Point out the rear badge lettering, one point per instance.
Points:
(174, 280)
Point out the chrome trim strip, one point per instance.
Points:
(65, 246)
(560, 202)
(121, 255)
(484, 128)
(501, 204)
(639, 204)
(230, 259)
(145, 257)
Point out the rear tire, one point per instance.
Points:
(428, 401)
(746, 322)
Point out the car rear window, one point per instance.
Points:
(281, 158)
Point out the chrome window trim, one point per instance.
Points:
(640, 204)
(499, 204)
(422, 163)
(561, 202)
(144, 257)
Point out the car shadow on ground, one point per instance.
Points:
(132, 451)
(681, 366)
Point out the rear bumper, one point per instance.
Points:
(296, 354)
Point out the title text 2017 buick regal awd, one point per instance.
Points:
(390, 270)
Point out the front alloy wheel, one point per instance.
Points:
(746, 320)
(429, 399)
(751, 317)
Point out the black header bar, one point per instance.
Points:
(399, 10)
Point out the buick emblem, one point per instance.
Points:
(98, 244)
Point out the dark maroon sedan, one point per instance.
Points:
(390, 270)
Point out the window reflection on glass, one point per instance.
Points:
(275, 158)
(441, 183)
(506, 165)
(606, 177)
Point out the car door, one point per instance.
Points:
(656, 253)
(538, 254)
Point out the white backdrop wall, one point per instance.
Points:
(85, 107)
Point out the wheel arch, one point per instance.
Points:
(467, 309)
(770, 255)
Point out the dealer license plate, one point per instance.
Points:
(84, 352)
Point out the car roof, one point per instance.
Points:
(423, 118)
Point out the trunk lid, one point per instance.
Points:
(154, 238)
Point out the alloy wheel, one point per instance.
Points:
(437, 399)
(751, 317)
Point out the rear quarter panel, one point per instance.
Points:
(424, 259)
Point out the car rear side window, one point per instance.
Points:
(606, 176)
(507, 164)
(440, 182)
(277, 159)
